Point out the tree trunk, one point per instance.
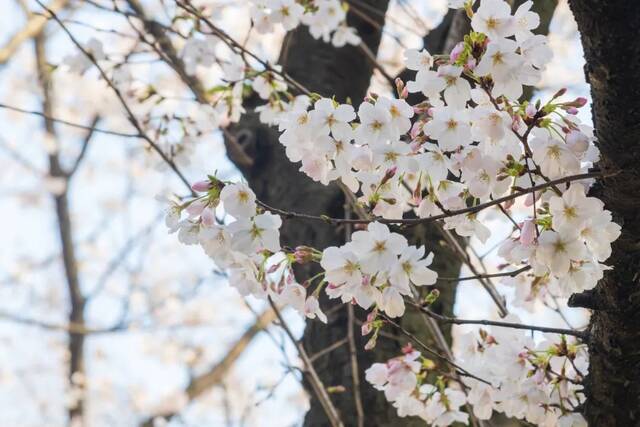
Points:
(609, 31)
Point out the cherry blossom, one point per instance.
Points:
(238, 200)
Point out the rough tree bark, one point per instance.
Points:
(609, 32)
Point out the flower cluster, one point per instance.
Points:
(403, 381)
(473, 133)
(507, 372)
(565, 257)
(376, 268)
(247, 248)
(326, 19)
(537, 382)
(469, 140)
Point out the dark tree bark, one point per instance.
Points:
(609, 31)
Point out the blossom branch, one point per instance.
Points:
(459, 370)
(233, 44)
(579, 334)
(513, 273)
(448, 214)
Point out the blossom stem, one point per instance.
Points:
(416, 221)
(453, 320)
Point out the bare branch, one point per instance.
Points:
(71, 124)
(83, 149)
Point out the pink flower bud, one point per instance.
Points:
(201, 186)
(531, 110)
(580, 102)
(407, 348)
(303, 254)
(399, 85)
(527, 233)
(572, 110)
(273, 269)
(390, 173)
(416, 129)
(515, 123)
(371, 344)
(457, 51)
(405, 93)
(366, 328)
(559, 93)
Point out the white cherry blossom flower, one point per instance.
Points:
(556, 251)
(239, 200)
(572, 211)
(375, 124)
(345, 35)
(430, 83)
(400, 113)
(341, 266)
(457, 90)
(418, 60)
(378, 247)
(285, 12)
(494, 19)
(450, 127)
(524, 21)
(553, 156)
(256, 234)
(327, 117)
(412, 267)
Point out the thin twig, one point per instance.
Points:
(513, 273)
(314, 379)
(70, 124)
(355, 374)
(456, 321)
(85, 146)
(448, 214)
(426, 348)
